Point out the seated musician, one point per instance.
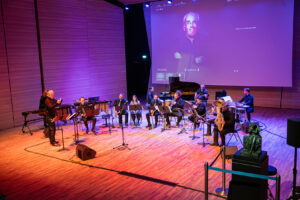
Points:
(228, 126)
(202, 93)
(200, 108)
(154, 110)
(135, 114)
(120, 109)
(176, 108)
(42, 110)
(81, 110)
(51, 103)
(249, 101)
(150, 95)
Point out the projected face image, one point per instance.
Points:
(190, 23)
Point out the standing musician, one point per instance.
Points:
(42, 109)
(200, 108)
(50, 114)
(120, 109)
(249, 101)
(176, 108)
(150, 95)
(154, 104)
(135, 114)
(81, 111)
(202, 93)
(227, 124)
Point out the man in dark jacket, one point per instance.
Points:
(248, 101)
(176, 108)
(228, 127)
(120, 108)
(51, 103)
(81, 110)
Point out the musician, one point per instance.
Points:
(120, 108)
(51, 103)
(135, 114)
(202, 93)
(200, 108)
(81, 111)
(154, 104)
(42, 110)
(249, 101)
(150, 95)
(227, 128)
(176, 108)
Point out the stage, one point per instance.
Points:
(157, 166)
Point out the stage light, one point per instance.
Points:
(144, 56)
(126, 8)
(147, 5)
(169, 1)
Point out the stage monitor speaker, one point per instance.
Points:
(230, 151)
(84, 152)
(293, 132)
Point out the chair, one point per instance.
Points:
(236, 135)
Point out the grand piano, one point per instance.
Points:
(188, 89)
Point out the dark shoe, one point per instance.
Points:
(168, 126)
(126, 125)
(55, 144)
(87, 131)
(207, 134)
(93, 131)
(155, 126)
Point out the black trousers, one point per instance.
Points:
(125, 112)
(156, 114)
(179, 116)
(222, 134)
(193, 119)
(51, 130)
(86, 119)
(137, 115)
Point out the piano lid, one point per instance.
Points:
(184, 87)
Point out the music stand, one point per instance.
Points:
(123, 145)
(165, 110)
(203, 142)
(75, 123)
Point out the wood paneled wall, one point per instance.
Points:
(268, 96)
(83, 48)
(22, 57)
(6, 114)
(83, 52)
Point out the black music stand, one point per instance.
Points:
(203, 142)
(165, 110)
(123, 145)
(75, 122)
(196, 118)
(135, 108)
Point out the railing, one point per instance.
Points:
(259, 176)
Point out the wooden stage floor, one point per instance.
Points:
(32, 169)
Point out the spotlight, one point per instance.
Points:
(169, 1)
(126, 8)
(144, 56)
(147, 5)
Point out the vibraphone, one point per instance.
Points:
(28, 121)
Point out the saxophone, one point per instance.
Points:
(219, 121)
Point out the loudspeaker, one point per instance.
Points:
(84, 152)
(293, 132)
(230, 151)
